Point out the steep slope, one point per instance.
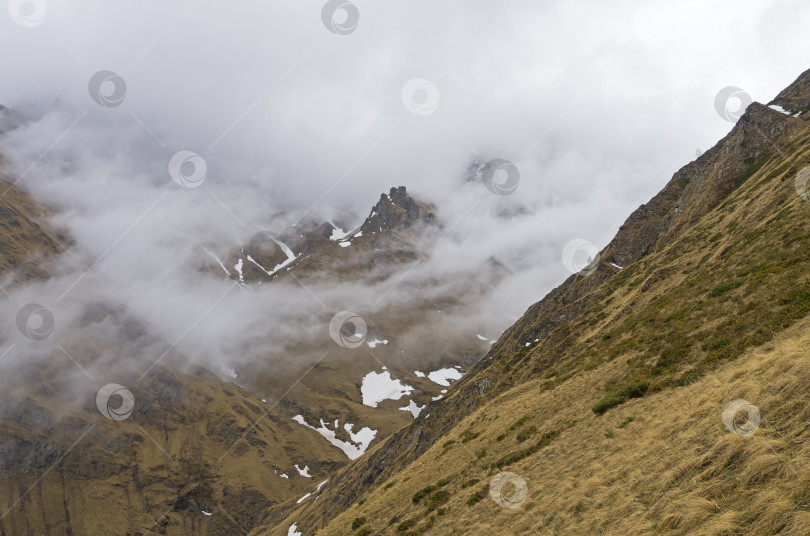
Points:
(712, 268)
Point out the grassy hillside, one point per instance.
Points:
(606, 397)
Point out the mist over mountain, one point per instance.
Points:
(246, 252)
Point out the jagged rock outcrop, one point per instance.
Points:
(397, 210)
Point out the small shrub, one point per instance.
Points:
(526, 433)
(518, 423)
(405, 525)
(611, 400)
(627, 421)
(364, 532)
(468, 435)
(475, 497)
(442, 482)
(358, 522)
(422, 493)
(469, 483)
(481, 454)
(725, 286)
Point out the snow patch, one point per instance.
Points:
(337, 232)
(413, 408)
(377, 387)
(616, 265)
(443, 376)
(344, 244)
(304, 498)
(303, 472)
(293, 530)
(481, 337)
(419, 374)
(318, 488)
(285, 475)
(779, 109)
(375, 342)
(352, 449)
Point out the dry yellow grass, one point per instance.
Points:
(673, 469)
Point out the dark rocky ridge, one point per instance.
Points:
(397, 210)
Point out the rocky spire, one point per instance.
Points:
(397, 210)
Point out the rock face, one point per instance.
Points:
(397, 210)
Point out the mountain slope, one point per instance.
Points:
(713, 270)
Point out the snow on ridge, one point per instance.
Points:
(378, 386)
(443, 376)
(779, 109)
(337, 232)
(352, 449)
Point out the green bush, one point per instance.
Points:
(475, 497)
(358, 522)
(422, 493)
(610, 400)
(526, 433)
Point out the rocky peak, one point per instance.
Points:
(397, 210)
(796, 97)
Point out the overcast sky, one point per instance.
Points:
(596, 103)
